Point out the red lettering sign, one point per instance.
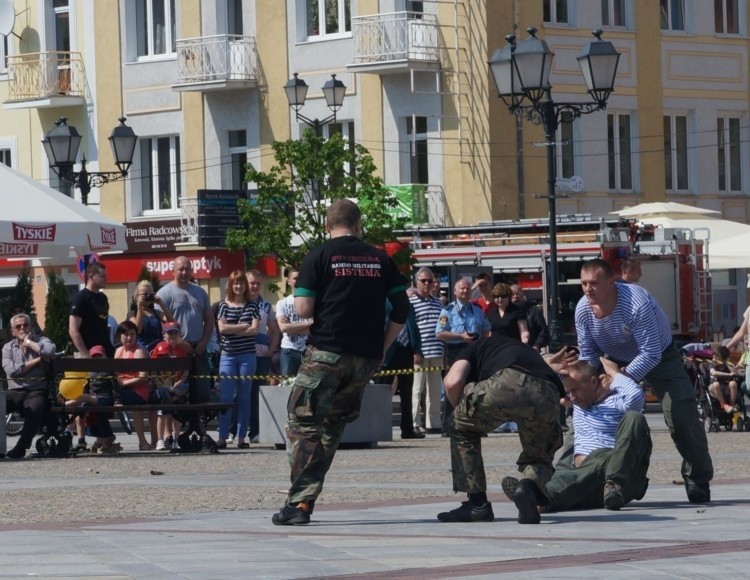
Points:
(20, 250)
(109, 236)
(206, 264)
(29, 233)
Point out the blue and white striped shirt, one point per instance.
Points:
(427, 312)
(637, 332)
(596, 426)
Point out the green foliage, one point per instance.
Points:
(153, 277)
(57, 311)
(287, 218)
(22, 297)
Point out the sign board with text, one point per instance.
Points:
(153, 236)
(217, 213)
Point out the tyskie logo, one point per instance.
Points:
(29, 233)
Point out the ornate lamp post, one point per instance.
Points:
(296, 93)
(61, 145)
(521, 72)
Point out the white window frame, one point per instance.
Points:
(614, 152)
(341, 6)
(169, 26)
(610, 9)
(9, 144)
(417, 139)
(553, 17)
(239, 150)
(175, 183)
(675, 155)
(666, 9)
(737, 19)
(725, 145)
(6, 46)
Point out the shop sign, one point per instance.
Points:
(206, 264)
(156, 236)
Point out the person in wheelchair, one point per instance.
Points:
(27, 385)
(723, 376)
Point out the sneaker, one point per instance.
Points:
(160, 445)
(18, 452)
(230, 438)
(291, 515)
(468, 513)
(255, 439)
(169, 443)
(698, 492)
(613, 498)
(81, 446)
(509, 485)
(525, 498)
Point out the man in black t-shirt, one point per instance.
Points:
(343, 286)
(495, 380)
(89, 311)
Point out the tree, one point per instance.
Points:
(24, 293)
(287, 216)
(153, 277)
(57, 311)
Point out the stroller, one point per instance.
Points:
(714, 417)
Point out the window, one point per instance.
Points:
(672, 14)
(238, 154)
(730, 167)
(156, 28)
(675, 153)
(417, 149)
(160, 173)
(619, 152)
(566, 157)
(556, 11)
(613, 13)
(346, 130)
(63, 187)
(4, 49)
(726, 16)
(234, 17)
(6, 158)
(327, 17)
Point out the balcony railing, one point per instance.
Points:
(410, 37)
(45, 75)
(217, 62)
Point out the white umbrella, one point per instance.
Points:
(729, 253)
(666, 208)
(38, 222)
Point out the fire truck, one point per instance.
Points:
(674, 262)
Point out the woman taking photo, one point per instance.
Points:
(507, 319)
(137, 388)
(146, 318)
(237, 321)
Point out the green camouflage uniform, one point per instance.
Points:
(508, 395)
(326, 395)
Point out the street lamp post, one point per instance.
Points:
(61, 145)
(521, 72)
(296, 93)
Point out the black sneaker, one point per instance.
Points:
(613, 497)
(292, 516)
(509, 485)
(525, 498)
(18, 452)
(698, 492)
(468, 513)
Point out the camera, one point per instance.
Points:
(150, 297)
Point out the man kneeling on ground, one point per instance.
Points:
(495, 380)
(608, 462)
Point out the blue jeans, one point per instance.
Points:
(290, 360)
(231, 365)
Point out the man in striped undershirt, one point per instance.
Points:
(624, 322)
(612, 445)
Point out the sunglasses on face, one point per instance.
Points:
(496, 296)
(20, 326)
(427, 281)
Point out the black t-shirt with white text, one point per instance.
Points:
(93, 310)
(350, 281)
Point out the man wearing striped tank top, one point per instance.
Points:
(624, 323)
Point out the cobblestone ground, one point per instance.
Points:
(145, 484)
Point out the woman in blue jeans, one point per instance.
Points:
(237, 320)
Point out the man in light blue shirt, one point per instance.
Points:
(607, 465)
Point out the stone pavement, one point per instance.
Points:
(385, 537)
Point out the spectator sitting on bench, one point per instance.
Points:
(175, 384)
(27, 389)
(137, 388)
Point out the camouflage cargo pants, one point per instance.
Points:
(508, 395)
(326, 395)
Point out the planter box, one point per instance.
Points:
(373, 424)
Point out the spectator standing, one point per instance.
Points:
(343, 285)
(427, 365)
(238, 320)
(483, 286)
(624, 322)
(507, 319)
(266, 344)
(191, 308)
(460, 323)
(27, 390)
(538, 330)
(148, 319)
(294, 329)
(630, 270)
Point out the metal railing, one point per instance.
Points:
(396, 36)
(225, 57)
(41, 75)
(189, 219)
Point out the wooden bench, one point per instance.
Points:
(196, 412)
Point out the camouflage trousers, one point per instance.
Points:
(326, 395)
(508, 395)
